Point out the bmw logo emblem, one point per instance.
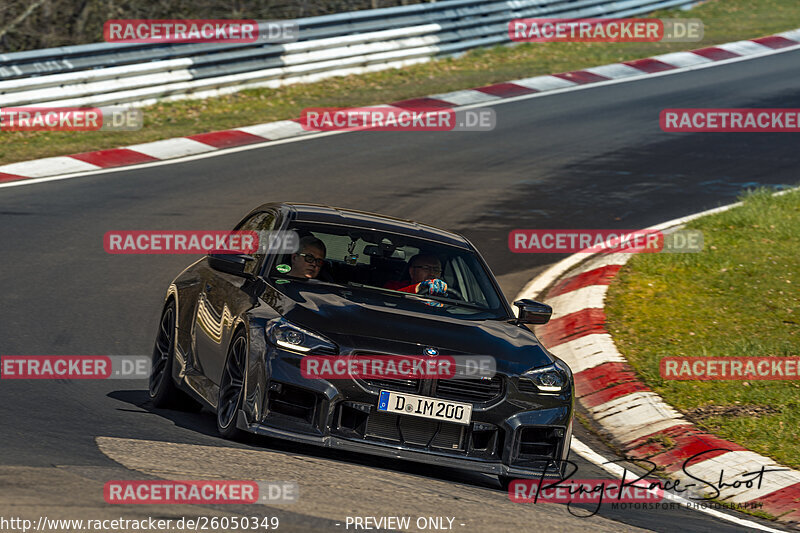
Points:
(431, 352)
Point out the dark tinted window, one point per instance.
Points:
(380, 261)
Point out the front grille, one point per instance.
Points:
(416, 431)
(470, 390)
(399, 385)
(474, 390)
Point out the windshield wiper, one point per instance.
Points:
(303, 280)
(460, 303)
(416, 296)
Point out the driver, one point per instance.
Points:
(308, 260)
(424, 270)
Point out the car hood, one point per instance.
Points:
(362, 320)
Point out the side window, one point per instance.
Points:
(264, 221)
(468, 284)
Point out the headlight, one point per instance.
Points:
(551, 378)
(283, 333)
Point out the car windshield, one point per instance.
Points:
(392, 265)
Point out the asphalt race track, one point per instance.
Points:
(592, 158)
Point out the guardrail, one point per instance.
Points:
(330, 45)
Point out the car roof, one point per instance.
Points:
(307, 212)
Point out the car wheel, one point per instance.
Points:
(231, 388)
(163, 391)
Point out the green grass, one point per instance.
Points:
(725, 20)
(739, 297)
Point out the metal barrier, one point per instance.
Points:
(329, 45)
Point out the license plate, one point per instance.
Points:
(413, 405)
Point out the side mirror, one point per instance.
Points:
(533, 312)
(234, 264)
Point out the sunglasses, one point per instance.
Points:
(311, 260)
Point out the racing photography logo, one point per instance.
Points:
(729, 368)
(389, 118)
(575, 491)
(605, 30)
(700, 483)
(604, 241)
(201, 242)
(722, 120)
(199, 31)
(200, 492)
(75, 366)
(397, 367)
(70, 119)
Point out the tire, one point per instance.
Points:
(231, 388)
(163, 391)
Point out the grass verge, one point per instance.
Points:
(725, 21)
(739, 297)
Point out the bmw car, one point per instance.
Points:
(235, 329)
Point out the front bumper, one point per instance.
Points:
(512, 433)
(376, 448)
(400, 452)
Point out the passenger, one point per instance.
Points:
(424, 270)
(308, 261)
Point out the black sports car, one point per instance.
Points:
(235, 329)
